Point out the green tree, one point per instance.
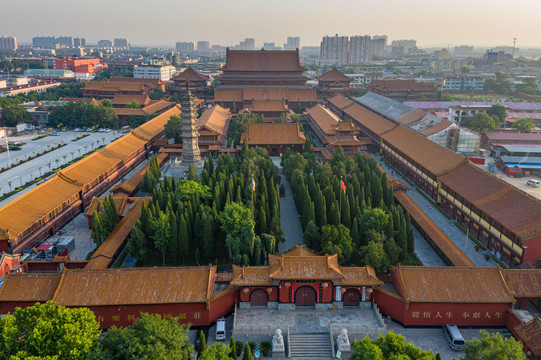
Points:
(375, 256)
(162, 233)
(97, 233)
(48, 331)
(157, 94)
(202, 344)
(336, 240)
(480, 122)
(173, 129)
(498, 113)
(192, 173)
(365, 350)
(149, 338)
(13, 115)
(207, 238)
(524, 125)
(216, 352)
(247, 353)
(133, 105)
(528, 86)
(465, 70)
(233, 348)
(137, 242)
(312, 236)
(494, 346)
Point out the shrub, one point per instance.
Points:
(266, 347)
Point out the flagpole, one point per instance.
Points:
(340, 211)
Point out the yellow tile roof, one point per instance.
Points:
(251, 276)
(135, 286)
(29, 287)
(24, 211)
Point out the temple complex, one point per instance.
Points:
(263, 75)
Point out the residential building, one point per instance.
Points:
(464, 83)
(105, 44)
(463, 50)
(293, 42)
(47, 42)
(448, 64)
(8, 43)
(203, 46)
(442, 54)
(378, 43)
(87, 66)
(162, 72)
(359, 49)
(247, 44)
(335, 48)
(64, 41)
(121, 43)
(270, 46)
(185, 47)
(79, 42)
(406, 45)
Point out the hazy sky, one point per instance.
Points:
(226, 22)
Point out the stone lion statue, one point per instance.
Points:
(278, 338)
(343, 337)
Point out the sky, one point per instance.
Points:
(226, 22)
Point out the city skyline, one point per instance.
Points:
(418, 19)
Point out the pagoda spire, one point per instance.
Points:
(190, 136)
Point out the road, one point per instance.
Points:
(21, 174)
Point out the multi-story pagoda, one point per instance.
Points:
(190, 146)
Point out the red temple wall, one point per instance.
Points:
(389, 305)
(533, 251)
(223, 305)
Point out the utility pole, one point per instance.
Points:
(514, 43)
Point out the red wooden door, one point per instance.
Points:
(305, 296)
(259, 297)
(351, 297)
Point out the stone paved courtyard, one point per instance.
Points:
(304, 320)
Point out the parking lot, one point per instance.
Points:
(23, 173)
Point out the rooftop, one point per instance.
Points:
(262, 60)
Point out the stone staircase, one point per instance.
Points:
(310, 346)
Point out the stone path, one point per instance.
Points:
(289, 219)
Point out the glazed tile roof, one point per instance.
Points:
(452, 284)
(114, 86)
(285, 267)
(530, 334)
(495, 197)
(264, 94)
(274, 134)
(128, 99)
(30, 207)
(334, 75)
(440, 238)
(323, 117)
(135, 286)
(440, 126)
(151, 108)
(523, 283)
(433, 157)
(354, 276)
(106, 252)
(340, 101)
(29, 287)
(269, 105)
(262, 60)
(190, 74)
(120, 203)
(251, 275)
(215, 119)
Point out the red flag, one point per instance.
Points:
(342, 185)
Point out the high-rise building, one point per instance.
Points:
(359, 49)
(403, 46)
(270, 46)
(377, 46)
(335, 48)
(463, 50)
(247, 44)
(203, 46)
(8, 43)
(79, 42)
(121, 43)
(105, 44)
(293, 42)
(44, 41)
(185, 47)
(64, 41)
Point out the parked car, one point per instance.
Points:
(15, 148)
(89, 129)
(54, 133)
(220, 329)
(77, 129)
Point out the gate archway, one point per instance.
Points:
(352, 297)
(259, 297)
(305, 296)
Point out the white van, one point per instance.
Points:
(220, 329)
(534, 183)
(453, 336)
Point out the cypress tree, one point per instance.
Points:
(262, 221)
(410, 236)
(174, 243)
(233, 348)
(208, 239)
(332, 217)
(202, 344)
(247, 353)
(183, 238)
(355, 231)
(402, 238)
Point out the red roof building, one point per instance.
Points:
(193, 80)
(403, 90)
(333, 83)
(275, 137)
